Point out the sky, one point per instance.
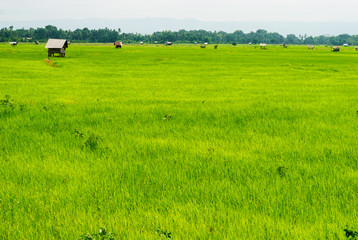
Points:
(209, 10)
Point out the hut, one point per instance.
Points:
(356, 48)
(204, 45)
(262, 45)
(13, 43)
(118, 44)
(57, 46)
(310, 47)
(335, 49)
(168, 43)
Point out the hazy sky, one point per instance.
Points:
(209, 10)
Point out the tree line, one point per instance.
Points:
(106, 35)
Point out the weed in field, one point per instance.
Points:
(3, 153)
(93, 142)
(167, 117)
(78, 133)
(101, 235)
(281, 171)
(8, 103)
(164, 233)
(211, 150)
(350, 233)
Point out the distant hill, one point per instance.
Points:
(150, 25)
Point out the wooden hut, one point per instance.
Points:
(356, 48)
(118, 44)
(262, 45)
(57, 46)
(310, 47)
(13, 43)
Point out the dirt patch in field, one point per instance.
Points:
(50, 63)
(161, 59)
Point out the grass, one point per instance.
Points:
(150, 142)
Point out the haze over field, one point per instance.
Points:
(303, 17)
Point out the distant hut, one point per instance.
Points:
(310, 47)
(356, 48)
(168, 43)
(118, 44)
(37, 42)
(345, 45)
(285, 45)
(335, 49)
(57, 46)
(13, 43)
(204, 45)
(262, 45)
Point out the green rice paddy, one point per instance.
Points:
(227, 143)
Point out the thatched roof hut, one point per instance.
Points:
(57, 46)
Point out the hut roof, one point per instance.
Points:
(56, 43)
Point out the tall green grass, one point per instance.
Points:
(227, 143)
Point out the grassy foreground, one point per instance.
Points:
(227, 143)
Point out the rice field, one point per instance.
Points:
(179, 142)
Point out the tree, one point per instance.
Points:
(292, 39)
